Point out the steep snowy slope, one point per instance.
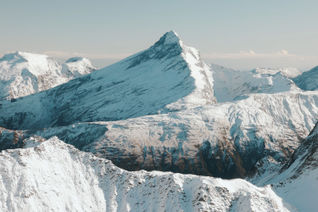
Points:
(308, 80)
(168, 76)
(297, 181)
(53, 176)
(232, 84)
(24, 73)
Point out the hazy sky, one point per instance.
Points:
(236, 33)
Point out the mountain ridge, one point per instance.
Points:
(168, 76)
(51, 175)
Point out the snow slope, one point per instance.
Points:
(53, 176)
(299, 183)
(288, 72)
(232, 84)
(224, 140)
(308, 80)
(23, 73)
(168, 76)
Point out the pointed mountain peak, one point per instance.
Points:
(169, 38)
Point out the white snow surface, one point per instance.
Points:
(23, 73)
(54, 176)
(289, 72)
(240, 134)
(308, 80)
(297, 183)
(168, 76)
(232, 84)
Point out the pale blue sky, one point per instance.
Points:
(240, 34)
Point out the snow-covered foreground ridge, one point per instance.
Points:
(54, 176)
(297, 181)
(23, 73)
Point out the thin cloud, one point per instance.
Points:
(250, 54)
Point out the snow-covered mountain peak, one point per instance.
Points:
(26, 56)
(31, 57)
(79, 60)
(171, 42)
(170, 37)
(171, 45)
(36, 64)
(77, 66)
(168, 76)
(23, 73)
(13, 57)
(287, 72)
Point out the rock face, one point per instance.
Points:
(53, 176)
(23, 73)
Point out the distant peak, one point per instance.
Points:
(19, 55)
(14, 56)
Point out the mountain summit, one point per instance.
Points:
(168, 76)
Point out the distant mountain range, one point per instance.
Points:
(22, 73)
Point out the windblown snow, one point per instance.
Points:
(54, 176)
